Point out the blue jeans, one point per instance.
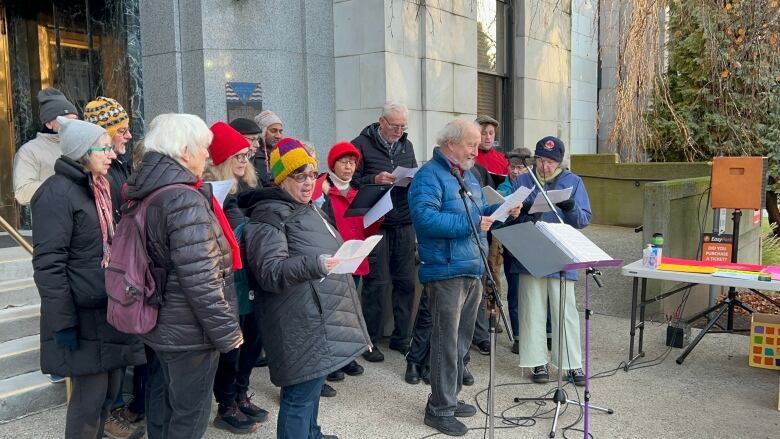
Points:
(512, 293)
(300, 404)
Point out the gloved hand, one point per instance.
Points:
(566, 205)
(526, 207)
(67, 338)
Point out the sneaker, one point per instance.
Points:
(541, 374)
(234, 420)
(327, 391)
(128, 415)
(448, 425)
(516, 347)
(468, 378)
(56, 378)
(484, 347)
(336, 375)
(353, 369)
(577, 376)
(117, 428)
(463, 410)
(374, 355)
(250, 410)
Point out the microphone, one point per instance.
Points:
(463, 188)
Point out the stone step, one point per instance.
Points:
(18, 292)
(15, 263)
(19, 322)
(28, 393)
(20, 356)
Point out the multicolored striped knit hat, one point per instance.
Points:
(288, 155)
(107, 113)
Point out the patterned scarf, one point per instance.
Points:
(226, 229)
(102, 193)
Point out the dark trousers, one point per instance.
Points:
(513, 300)
(179, 393)
(453, 305)
(391, 260)
(298, 410)
(420, 346)
(90, 403)
(140, 377)
(235, 367)
(481, 325)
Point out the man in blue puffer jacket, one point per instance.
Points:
(536, 292)
(450, 265)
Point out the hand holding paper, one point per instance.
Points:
(403, 176)
(351, 254)
(512, 201)
(556, 196)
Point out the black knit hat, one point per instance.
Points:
(245, 126)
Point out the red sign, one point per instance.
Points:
(716, 248)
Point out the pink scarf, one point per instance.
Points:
(103, 203)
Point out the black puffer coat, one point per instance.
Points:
(118, 173)
(309, 328)
(200, 309)
(67, 253)
(376, 158)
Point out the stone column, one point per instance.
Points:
(424, 56)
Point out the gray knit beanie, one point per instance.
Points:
(77, 136)
(53, 103)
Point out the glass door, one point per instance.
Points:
(7, 144)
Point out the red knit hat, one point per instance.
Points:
(227, 141)
(339, 150)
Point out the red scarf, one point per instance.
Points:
(226, 229)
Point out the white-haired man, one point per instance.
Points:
(451, 268)
(383, 146)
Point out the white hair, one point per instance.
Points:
(394, 107)
(170, 133)
(454, 131)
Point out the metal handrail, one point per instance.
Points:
(15, 235)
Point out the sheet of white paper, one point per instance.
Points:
(384, 205)
(574, 242)
(352, 253)
(403, 176)
(221, 189)
(556, 196)
(492, 196)
(513, 200)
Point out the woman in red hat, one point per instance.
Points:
(230, 159)
(338, 193)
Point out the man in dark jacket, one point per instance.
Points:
(199, 316)
(384, 146)
(451, 267)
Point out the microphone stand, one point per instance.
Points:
(494, 306)
(559, 397)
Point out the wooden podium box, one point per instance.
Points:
(739, 182)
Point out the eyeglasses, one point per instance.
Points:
(122, 131)
(301, 177)
(244, 156)
(106, 149)
(396, 127)
(253, 139)
(346, 162)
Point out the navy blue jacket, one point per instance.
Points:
(444, 240)
(579, 217)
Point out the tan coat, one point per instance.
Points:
(33, 164)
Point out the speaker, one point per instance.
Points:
(739, 182)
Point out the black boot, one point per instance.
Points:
(412, 375)
(232, 419)
(468, 378)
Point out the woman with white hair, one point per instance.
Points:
(194, 253)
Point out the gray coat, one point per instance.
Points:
(200, 308)
(309, 328)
